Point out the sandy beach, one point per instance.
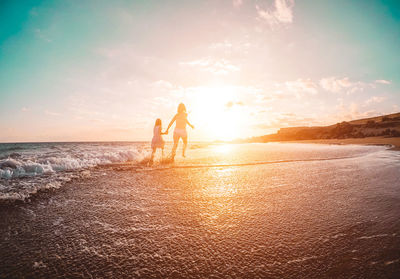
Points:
(313, 219)
(395, 142)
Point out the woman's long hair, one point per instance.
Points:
(181, 108)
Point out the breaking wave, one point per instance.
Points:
(16, 168)
(46, 166)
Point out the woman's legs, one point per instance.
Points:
(184, 139)
(176, 141)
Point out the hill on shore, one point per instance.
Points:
(386, 126)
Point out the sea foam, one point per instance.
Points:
(49, 165)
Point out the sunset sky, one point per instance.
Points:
(105, 70)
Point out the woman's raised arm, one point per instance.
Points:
(187, 121)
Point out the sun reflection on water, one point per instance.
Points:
(219, 198)
(223, 148)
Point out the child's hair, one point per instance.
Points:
(181, 108)
(158, 122)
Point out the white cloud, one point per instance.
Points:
(41, 35)
(334, 84)
(237, 3)
(217, 67)
(163, 84)
(221, 45)
(282, 13)
(375, 99)
(302, 85)
(351, 112)
(47, 112)
(279, 120)
(33, 12)
(338, 85)
(25, 109)
(383, 81)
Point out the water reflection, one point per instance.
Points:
(224, 148)
(224, 186)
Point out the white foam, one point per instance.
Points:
(43, 166)
(373, 236)
(15, 168)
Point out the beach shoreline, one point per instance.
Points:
(305, 219)
(394, 142)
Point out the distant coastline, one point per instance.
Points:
(380, 130)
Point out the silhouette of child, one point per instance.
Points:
(157, 141)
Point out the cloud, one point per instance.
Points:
(25, 109)
(351, 112)
(221, 45)
(237, 3)
(383, 81)
(282, 13)
(33, 12)
(51, 113)
(40, 34)
(338, 85)
(375, 99)
(163, 84)
(302, 85)
(289, 119)
(231, 104)
(217, 67)
(333, 84)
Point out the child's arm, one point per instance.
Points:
(170, 124)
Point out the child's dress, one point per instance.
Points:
(157, 141)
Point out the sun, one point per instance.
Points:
(218, 112)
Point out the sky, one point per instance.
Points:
(106, 70)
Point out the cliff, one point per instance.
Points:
(387, 126)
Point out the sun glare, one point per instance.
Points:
(223, 148)
(219, 113)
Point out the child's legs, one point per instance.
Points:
(184, 139)
(152, 154)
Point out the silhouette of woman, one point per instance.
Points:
(180, 129)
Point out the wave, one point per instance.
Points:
(25, 175)
(21, 167)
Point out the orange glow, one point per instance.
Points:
(218, 112)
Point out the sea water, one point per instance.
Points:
(275, 210)
(26, 168)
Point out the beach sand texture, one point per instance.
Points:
(313, 219)
(394, 141)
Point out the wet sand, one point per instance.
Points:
(321, 219)
(395, 142)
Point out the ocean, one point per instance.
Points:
(26, 168)
(275, 210)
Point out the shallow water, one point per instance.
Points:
(26, 168)
(294, 215)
